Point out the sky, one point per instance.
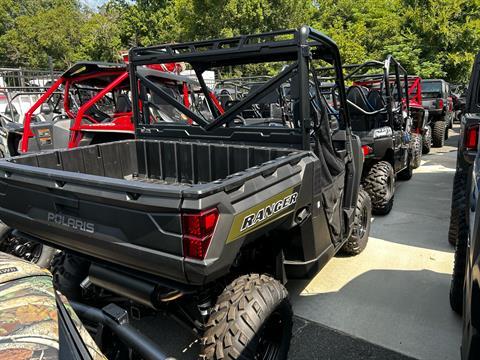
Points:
(94, 3)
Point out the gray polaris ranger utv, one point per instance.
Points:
(206, 214)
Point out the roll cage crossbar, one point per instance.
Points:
(415, 90)
(298, 46)
(250, 98)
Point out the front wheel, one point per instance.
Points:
(29, 250)
(68, 272)
(361, 225)
(458, 274)
(458, 206)
(252, 319)
(407, 173)
(380, 185)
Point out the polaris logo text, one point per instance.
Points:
(71, 222)
(268, 211)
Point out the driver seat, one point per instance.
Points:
(123, 104)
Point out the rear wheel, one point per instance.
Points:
(29, 250)
(380, 185)
(252, 319)
(438, 133)
(68, 273)
(427, 140)
(361, 225)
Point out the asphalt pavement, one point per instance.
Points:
(391, 301)
(395, 294)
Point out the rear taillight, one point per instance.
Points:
(440, 104)
(197, 229)
(367, 150)
(471, 139)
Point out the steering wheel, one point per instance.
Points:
(237, 121)
(59, 117)
(95, 115)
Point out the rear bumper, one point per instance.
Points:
(435, 112)
(102, 247)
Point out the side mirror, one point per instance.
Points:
(45, 108)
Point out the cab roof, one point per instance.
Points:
(92, 67)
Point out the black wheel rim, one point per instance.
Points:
(21, 248)
(270, 337)
(363, 223)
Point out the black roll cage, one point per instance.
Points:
(356, 72)
(297, 45)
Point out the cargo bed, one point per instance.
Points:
(122, 201)
(185, 164)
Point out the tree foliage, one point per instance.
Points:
(432, 38)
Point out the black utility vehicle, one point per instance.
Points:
(437, 99)
(471, 292)
(206, 216)
(465, 287)
(466, 152)
(379, 110)
(463, 231)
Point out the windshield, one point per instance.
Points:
(431, 89)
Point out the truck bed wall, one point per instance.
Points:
(155, 160)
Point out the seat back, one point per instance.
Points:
(123, 104)
(375, 99)
(359, 120)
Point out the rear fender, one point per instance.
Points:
(383, 149)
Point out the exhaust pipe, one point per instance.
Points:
(138, 290)
(113, 317)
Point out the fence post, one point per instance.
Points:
(22, 79)
(50, 66)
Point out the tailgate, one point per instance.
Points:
(430, 104)
(112, 219)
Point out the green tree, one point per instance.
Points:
(49, 32)
(447, 34)
(100, 37)
(219, 18)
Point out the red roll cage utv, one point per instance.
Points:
(89, 104)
